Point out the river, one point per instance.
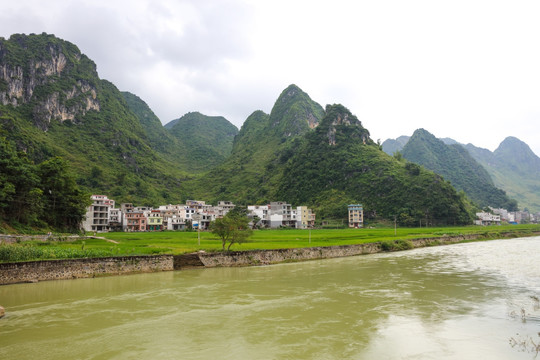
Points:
(467, 301)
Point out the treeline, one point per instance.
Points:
(45, 195)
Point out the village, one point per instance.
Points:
(503, 216)
(103, 216)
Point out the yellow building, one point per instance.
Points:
(155, 221)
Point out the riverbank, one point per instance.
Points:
(276, 256)
(34, 271)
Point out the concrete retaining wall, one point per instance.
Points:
(11, 273)
(267, 257)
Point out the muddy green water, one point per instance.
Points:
(467, 301)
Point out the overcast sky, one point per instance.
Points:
(469, 70)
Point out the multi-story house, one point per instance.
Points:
(502, 212)
(356, 216)
(225, 207)
(187, 213)
(115, 219)
(484, 218)
(261, 212)
(280, 215)
(97, 214)
(155, 221)
(136, 221)
(305, 217)
(175, 222)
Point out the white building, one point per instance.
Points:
(260, 211)
(280, 215)
(485, 218)
(97, 214)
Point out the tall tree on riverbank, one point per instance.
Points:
(233, 228)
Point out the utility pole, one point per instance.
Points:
(199, 216)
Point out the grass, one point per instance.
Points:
(170, 242)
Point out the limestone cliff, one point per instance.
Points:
(44, 78)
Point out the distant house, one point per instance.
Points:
(305, 217)
(155, 221)
(356, 216)
(115, 219)
(225, 207)
(175, 222)
(97, 214)
(484, 218)
(281, 215)
(260, 211)
(136, 221)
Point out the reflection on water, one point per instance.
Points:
(462, 301)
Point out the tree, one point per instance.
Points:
(254, 221)
(233, 228)
(20, 195)
(64, 202)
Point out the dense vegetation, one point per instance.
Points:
(38, 195)
(327, 168)
(338, 164)
(456, 165)
(253, 171)
(392, 146)
(106, 143)
(207, 140)
(194, 143)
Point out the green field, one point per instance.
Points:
(169, 242)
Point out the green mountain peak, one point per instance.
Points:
(294, 113)
(456, 165)
(340, 124)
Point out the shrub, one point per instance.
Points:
(396, 245)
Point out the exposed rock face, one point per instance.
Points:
(2, 312)
(20, 84)
(54, 108)
(340, 116)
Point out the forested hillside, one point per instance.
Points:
(254, 170)
(326, 159)
(206, 140)
(52, 103)
(456, 165)
(338, 164)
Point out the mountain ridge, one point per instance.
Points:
(520, 182)
(455, 164)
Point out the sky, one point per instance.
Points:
(468, 70)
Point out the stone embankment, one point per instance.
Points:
(11, 273)
(267, 257)
(33, 271)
